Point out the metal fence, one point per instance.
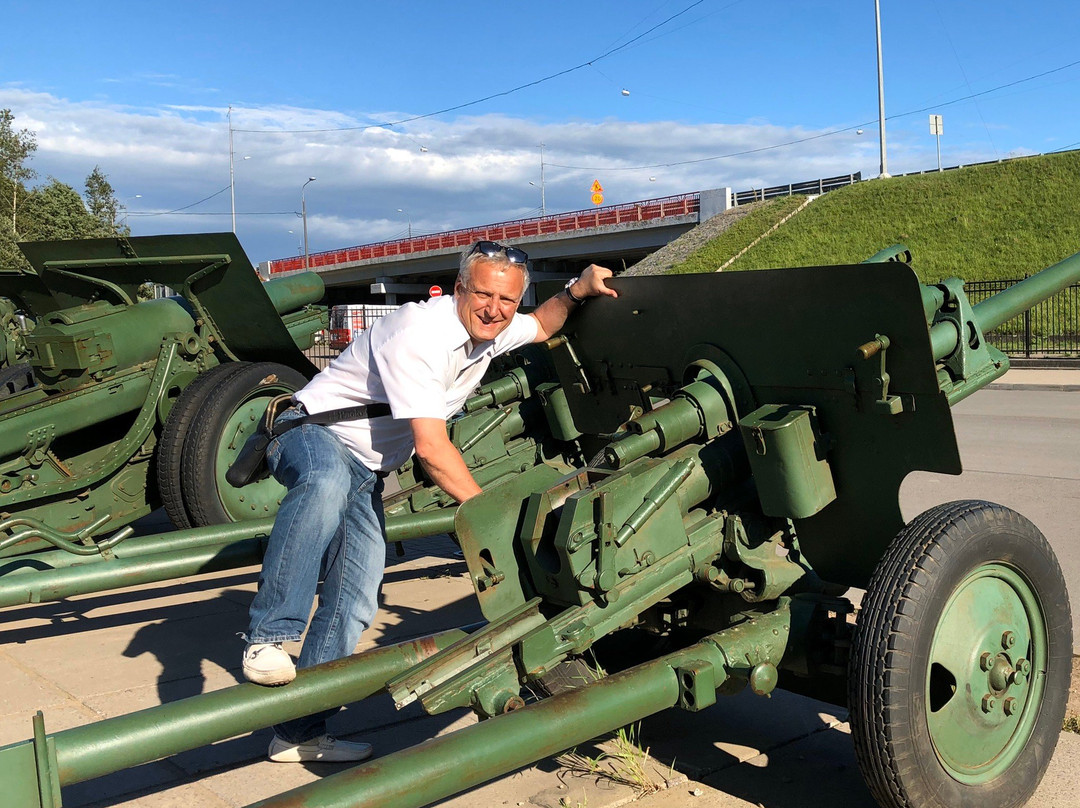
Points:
(1048, 329)
(818, 186)
(321, 353)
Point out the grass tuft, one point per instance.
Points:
(627, 764)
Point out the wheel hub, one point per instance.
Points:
(978, 686)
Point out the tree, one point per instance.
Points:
(51, 211)
(103, 205)
(56, 211)
(16, 147)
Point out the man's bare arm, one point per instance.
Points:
(442, 461)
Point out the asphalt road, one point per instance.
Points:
(1021, 449)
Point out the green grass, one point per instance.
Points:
(714, 254)
(996, 221)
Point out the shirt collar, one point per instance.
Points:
(458, 335)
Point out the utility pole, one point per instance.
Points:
(543, 201)
(232, 179)
(303, 215)
(881, 91)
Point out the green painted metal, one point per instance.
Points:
(210, 270)
(443, 766)
(447, 765)
(617, 493)
(789, 461)
(1015, 300)
(83, 753)
(897, 252)
(990, 632)
(41, 586)
(792, 336)
(261, 498)
(133, 547)
(75, 447)
(52, 575)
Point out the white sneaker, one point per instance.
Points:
(268, 664)
(324, 749)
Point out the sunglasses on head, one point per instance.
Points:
(493, 248)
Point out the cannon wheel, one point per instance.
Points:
(227, 417)
(968, 594)
(170, 451)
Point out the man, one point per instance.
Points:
(424, 360)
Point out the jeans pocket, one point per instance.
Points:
(367, 483)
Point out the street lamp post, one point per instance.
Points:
(880, 90)
(232, 172)
(543, 202)
(303, 215)
(409, 217)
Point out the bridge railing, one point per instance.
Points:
(818, 186)
(646, 210)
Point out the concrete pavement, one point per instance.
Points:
(1040, 378)
(97, 656)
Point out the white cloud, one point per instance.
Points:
(445, 173)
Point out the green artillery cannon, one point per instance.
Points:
(742, 439)
(111, 405)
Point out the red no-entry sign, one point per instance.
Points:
(434, 291)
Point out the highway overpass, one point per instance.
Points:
(559, 246)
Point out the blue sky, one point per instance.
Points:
(142, 90)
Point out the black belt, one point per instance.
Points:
(331, 416)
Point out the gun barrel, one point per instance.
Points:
(1015, 300)
(294, 291)
(1002, 307)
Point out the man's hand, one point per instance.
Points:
(592, 283)
(442, 461)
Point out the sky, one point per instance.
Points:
(427, 116)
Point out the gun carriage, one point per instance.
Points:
(113, 404)
(711, 462)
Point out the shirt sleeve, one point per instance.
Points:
(413, 374)
(522, 331)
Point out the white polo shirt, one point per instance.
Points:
(421, 361)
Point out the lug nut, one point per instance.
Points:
(988, 703)
(986, 661)
(1010, 705)
(1008, 639)
(1023, 666)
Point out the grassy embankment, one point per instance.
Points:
(997, 221)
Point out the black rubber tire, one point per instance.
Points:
(203, 467)
(908, 602)
(170, 452)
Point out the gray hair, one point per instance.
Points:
(470, 258)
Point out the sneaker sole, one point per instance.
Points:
(269, 678)
(294, 756)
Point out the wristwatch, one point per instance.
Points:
(569, 294)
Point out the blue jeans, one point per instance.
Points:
(330, 525)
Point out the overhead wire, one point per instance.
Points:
(456, 107)
(820, 135)
(178, 210)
